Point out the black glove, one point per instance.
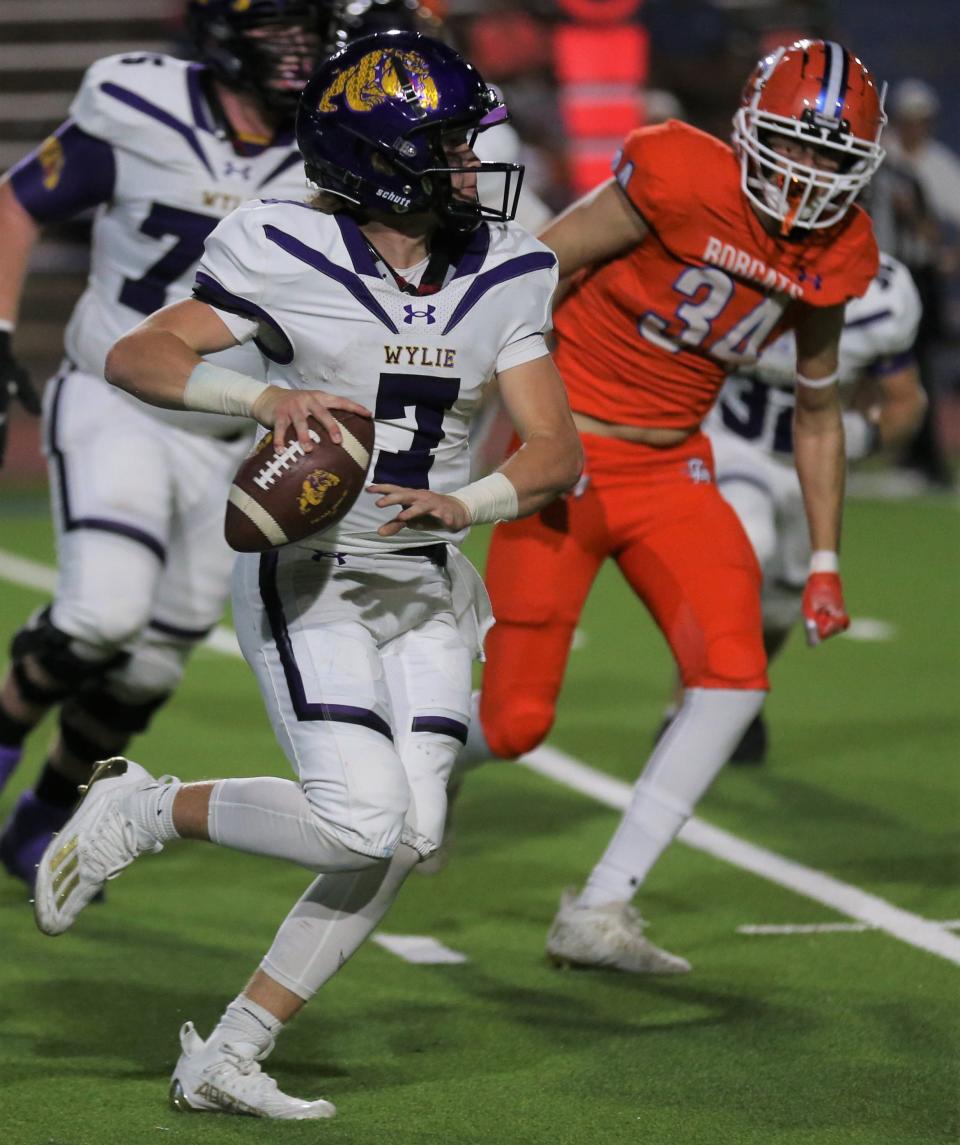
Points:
(14, 385)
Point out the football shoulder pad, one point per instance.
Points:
(127, 100)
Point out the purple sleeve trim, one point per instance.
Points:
(320, 262)
(207, 289)
(68, 173)
(138, 103)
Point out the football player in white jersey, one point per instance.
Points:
(394, 293)
(750, 428)
(163, 149)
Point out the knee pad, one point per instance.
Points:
(57, 654)
(517, 725)
(737, 661)
(151, 670)
(96, 724)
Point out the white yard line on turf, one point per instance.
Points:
(420, 949)
(845, 899)
(842, 897)
(762, 929)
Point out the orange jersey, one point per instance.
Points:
(647, 338)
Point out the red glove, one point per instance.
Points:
(824, 613)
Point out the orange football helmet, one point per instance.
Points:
(817, 93)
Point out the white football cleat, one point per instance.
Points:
(96, 843)
(227, 1078)
(610, 935)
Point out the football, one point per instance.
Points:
(285, 496)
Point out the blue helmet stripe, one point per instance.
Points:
(833, 93)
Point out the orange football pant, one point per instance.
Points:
(682, 549)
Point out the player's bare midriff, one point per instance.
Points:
(657, 436)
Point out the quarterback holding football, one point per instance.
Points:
(393, 295)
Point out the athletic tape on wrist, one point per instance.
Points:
(824, 561)
(492, 498)
(215, 389)
(6, 326)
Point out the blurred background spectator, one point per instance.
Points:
(916, 209)
(577, 75)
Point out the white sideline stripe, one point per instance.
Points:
(420, 949)
(555, 765)
(842, 897)
(27, 573)
(764, 928)
(31, 574)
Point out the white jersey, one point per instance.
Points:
(176, 176)
(308, 287)
(756, 404)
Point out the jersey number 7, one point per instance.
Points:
(190, 230)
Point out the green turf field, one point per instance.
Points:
(801, 1039)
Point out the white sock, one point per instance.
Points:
(244, 1022)
(329, 923)
(684, 763)
(267, 816)
(151, 809)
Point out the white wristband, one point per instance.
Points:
(818, 383)
(861, 436)
(215, 389)
(6, 326)
(824, 561)
(492, 498)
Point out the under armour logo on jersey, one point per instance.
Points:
(427, 314)
(699, 471)
(230, 168)
(815, 280)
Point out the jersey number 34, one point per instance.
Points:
(707, 291)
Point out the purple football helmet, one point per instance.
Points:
(267, 47)
(372, 121)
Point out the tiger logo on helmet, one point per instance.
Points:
(372, 123)
(377, 78)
